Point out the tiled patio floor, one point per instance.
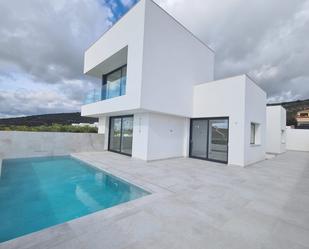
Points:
(195, 204)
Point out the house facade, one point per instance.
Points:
(159, 99)
(302, 118)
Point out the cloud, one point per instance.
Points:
(25, 102)
(46, 39)
(267, 39)
(128, 3)
(42, 45)
(19, 96)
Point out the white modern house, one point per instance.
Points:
(159, 98)
(276, 130)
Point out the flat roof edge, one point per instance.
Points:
(112, 25)
(136, 4)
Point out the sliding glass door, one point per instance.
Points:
(199, 134)
(127, 135)
(115, 134)
(121, 134)
(218, 139)
(209, 139)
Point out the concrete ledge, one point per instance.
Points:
(17, 144)
(297, 139)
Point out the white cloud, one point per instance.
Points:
(127, 3)
(24, 97)
(41, 53)
(42, 45)
(27, 102)
(47, 39)
(265, 38)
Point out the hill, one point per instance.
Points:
(292, 108)
(68, 118)
(48, 119)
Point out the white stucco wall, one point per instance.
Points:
(159, 136)
(240, 100)
(103, 128)
(173, 62)
(140, 136)
(166, 136)
(166, 66)
(16, 144)
(101, 125)
(297, 139)
(276, 130)
(255, 112)
(164, 61)
(224, 98)
(128, 31)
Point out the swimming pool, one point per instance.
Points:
(37, 193)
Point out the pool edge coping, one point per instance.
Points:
(79, 225)
(140, 183)
(108, 172)
(76, 225)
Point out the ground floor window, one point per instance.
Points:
(209, 139)
(121, 134)
(252, 134)
(255, 134)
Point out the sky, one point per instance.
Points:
(42, 45)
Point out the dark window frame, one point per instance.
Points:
(104, 80)
(252, 129)
(207, 157)
(109, 132)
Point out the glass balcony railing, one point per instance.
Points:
(107, 91)
(93, 96)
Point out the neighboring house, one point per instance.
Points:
(276, 130)
(302, 118)
(95, 124)
(159, 98)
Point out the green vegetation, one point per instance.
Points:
(292, 108)
(50, 128)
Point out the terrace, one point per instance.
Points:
(194, 204)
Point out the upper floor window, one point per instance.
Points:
(114, 83)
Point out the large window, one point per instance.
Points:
(121, 134)
(114, 83)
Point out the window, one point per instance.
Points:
(121, 134)
(283, 136)
(209, 139)
(114, 83)
(253, 131)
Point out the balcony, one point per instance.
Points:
(114, 85)
(104, 93)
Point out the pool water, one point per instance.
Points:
(36, 193)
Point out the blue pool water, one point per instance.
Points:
(37, 193)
